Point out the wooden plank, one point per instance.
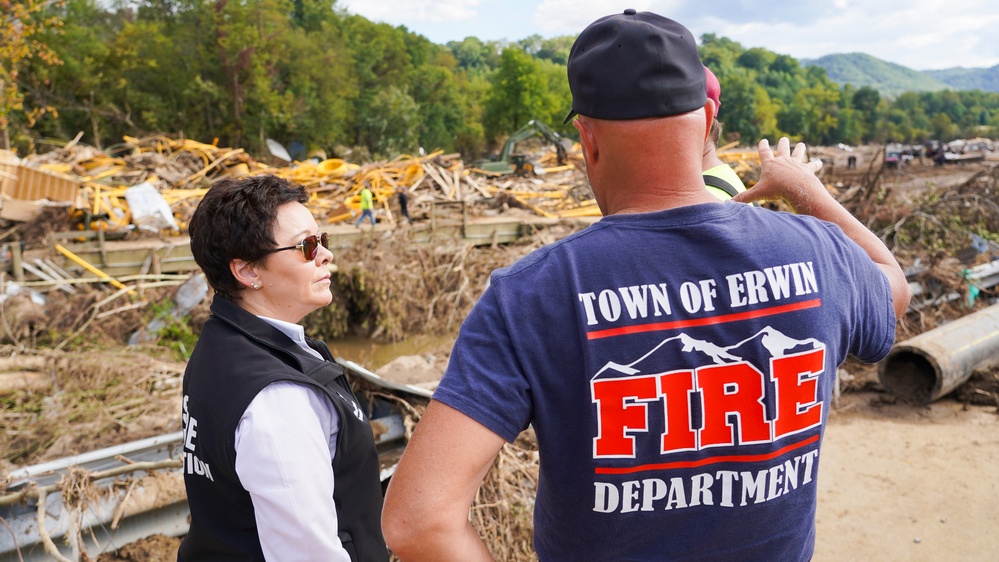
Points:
(19, 210)
(20, 381)
(122, 258)
(32, 184)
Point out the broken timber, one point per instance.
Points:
(118, 259)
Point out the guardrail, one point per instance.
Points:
(138, 489)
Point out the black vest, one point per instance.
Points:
(237, 355)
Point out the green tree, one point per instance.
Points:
(77, 86)
(521, 91)
(144, 88)
(851, 126)
(909, 120)
(555, 49)
(313, 16)
(473, 54)
(249, 39)
(813, 116)
(787, 65)
(381, 62)
(866, 103)
(21, 22)
(866, 99)
(470, 139)
(322, 87)
(941, 127)
(748, 111)
(391, 123)
(307, 71)
(757, 59)
(719, 53)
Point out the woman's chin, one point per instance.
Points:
(324, 299)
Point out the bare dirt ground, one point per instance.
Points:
(902, 482)
(908, 483)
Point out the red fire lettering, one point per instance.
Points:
(621, 409)
(727, 391)
(676, 388)
(798, 407)
(732, 389)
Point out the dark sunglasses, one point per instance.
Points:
(310, 245)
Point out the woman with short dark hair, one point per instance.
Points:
(270, 422)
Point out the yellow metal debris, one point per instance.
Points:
(89, 267)
(182, 170)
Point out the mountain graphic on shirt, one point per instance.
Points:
(684, 351)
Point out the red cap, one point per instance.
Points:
(713, 88)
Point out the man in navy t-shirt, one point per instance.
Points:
(676, 359)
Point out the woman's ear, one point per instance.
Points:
(245, 272)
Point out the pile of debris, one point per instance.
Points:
(156, 182)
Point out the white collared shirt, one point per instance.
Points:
(285, 443)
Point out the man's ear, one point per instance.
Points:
(587, 140)
(245, 273)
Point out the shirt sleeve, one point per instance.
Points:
(877, 334)
(873, 315)
(284, 450)
(484, 379)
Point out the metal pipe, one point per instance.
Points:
(929, 366)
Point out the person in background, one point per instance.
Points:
(404, 203)
(279, 457)
(676, 359)
(367, 207)
(721, 179)
(940, 158)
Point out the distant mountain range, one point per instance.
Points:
(891, 79)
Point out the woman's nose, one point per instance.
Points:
(325, 255)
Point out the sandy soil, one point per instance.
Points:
(908, 483)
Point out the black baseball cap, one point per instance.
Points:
(635, 65)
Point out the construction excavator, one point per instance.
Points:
(510, 161)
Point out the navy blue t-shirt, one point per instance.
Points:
(677, 368)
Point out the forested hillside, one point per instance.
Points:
(891, 79)
(315, 78)
(969, 78)
(887, 78)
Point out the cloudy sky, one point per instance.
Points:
(919, 34)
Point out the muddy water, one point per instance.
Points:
(372, 354)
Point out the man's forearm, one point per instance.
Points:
(826, 208)
(444, 547)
